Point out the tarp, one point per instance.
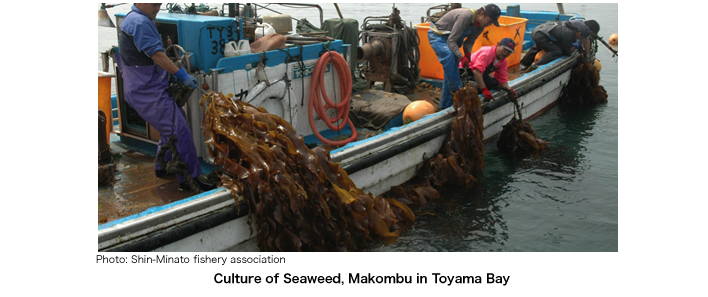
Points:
(375, 108)
(346, 30)
(304, 26)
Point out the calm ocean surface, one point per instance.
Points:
(564, 199)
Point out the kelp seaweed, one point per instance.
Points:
(517, 136)
(298, 200)
(462, 155)
(459, 159)
(583, 87)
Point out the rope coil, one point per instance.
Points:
(318, 92)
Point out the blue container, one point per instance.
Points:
(513, 10)
(203, 36)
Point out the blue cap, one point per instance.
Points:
(508, 43)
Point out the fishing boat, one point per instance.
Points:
(280, 81)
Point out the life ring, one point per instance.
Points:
(280, 91)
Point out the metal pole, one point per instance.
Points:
(560, 8)
(606, 45)
(338, 12)
(232, 10)
(278, 12)
(307, 5)
(104, 60)
(214, 80)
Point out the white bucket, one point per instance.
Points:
(263, 30)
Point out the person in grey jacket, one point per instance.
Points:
(445, 36)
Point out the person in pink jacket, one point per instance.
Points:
(490, 59)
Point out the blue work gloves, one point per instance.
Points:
(185, 78)
(577, 44)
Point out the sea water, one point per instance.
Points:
(564, 199)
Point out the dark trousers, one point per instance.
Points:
(530, 56)
(553, 50)
(489, 81)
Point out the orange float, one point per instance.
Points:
(417, 110)
(539, 55)
(598, 65)
(613, 39)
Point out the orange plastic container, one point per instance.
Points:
(510, 27)
(104, 99)
(429, 64)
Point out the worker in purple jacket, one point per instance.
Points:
(145, 69)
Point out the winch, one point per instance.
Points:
(389, 53)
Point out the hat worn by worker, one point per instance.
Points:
(593, 25)
(508, 44)
(584, 30)
(493, 11)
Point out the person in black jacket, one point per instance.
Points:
(588, 30)
(556, 38)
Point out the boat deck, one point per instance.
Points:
(137, 189)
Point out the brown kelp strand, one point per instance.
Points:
(298, 200)
(459, 159)
(583, 88)
(462, 156)
(517, 136)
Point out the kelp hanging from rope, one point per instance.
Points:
(583, 88)
(462, 156)
(298, 199)
(459, 159)
(517, 136)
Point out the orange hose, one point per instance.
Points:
(318, 92)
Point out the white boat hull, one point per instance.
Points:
(219, 238)
(532, 104)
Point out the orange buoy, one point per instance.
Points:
(613, 39)
(539, 55)
(597, 65)
(417, 110)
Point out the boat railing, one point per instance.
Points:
(155, 219)
(530, 81)
(291, 5)
(441, 7)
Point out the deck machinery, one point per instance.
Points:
(389, 53)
